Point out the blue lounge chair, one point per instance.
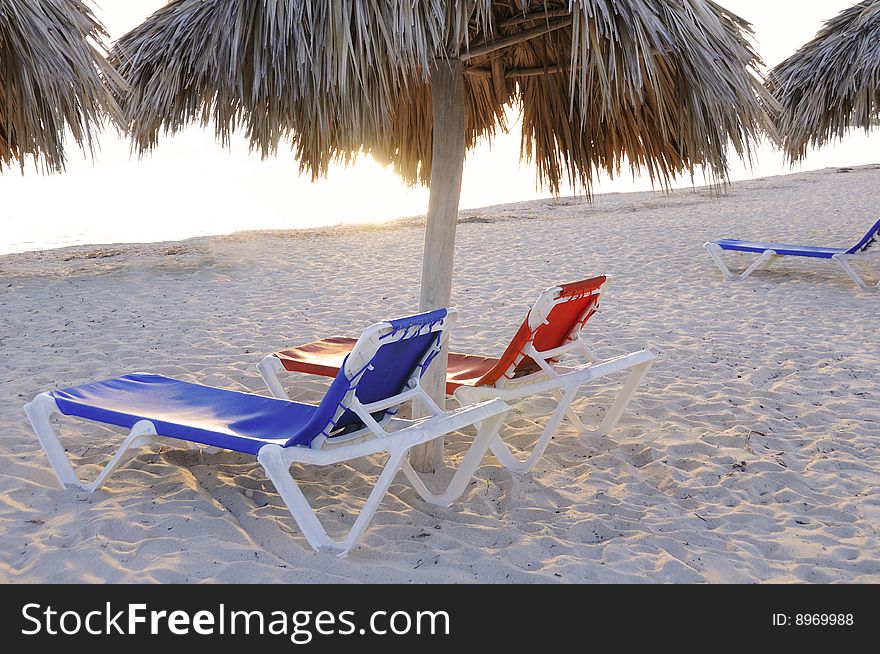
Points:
(862, 251)
(355, 419)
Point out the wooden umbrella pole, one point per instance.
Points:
(447, 163)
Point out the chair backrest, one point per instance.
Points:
(388, 359)
(868, 240)
(554, 320)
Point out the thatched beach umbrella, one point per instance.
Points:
(664, 86)
(832, 84)
(54, 80)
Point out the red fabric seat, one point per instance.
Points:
(579, 302)
(325, 358)
(322, 357)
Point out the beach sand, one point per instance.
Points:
(751, 453)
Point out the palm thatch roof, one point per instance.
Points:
(667, 86)
(54, 80)
(832, 84)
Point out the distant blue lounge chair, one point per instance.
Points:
(355, 419)
(862, 251)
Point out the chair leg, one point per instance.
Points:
(766, 257)
(39, 413)
(268, 369)
(565, 398)
(612, 417)
(487, 431)
(503, 453)
(278, 470)
(844, 261)
(715, 251)
(571, 414)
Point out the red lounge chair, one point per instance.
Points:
(528, 366)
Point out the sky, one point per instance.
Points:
(120, 198)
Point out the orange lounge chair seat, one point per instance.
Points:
(325, 357)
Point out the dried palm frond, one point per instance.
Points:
(832, 84)
(54, 78)
(667, 86)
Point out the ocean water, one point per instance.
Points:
(192, 187)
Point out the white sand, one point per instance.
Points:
(752, 453)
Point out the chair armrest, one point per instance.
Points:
(417, 433)
(568, 377)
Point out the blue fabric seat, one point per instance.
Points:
(787, 249)
(783, 249)
(201, 414)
